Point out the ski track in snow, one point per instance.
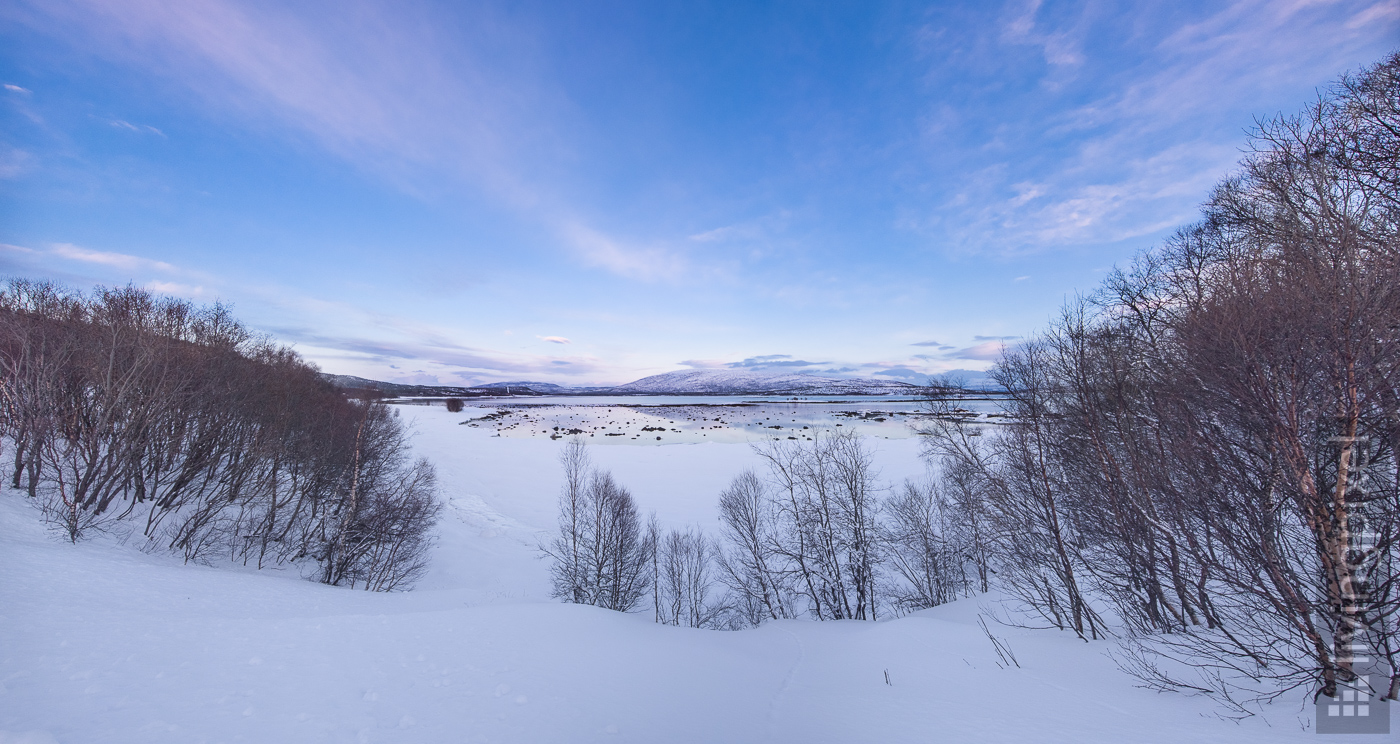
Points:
(472, 510)
(775, 703)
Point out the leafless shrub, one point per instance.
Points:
(568, 574)
(683, 580)
(386, 541)
(924, 549)
(810, 535)
(824, 496)
(601, 555)
(123, 405)
(749, 566)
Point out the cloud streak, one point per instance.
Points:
(1164, 105)
(388, 87)
(138, 128)
(773, 361)
(468, 363)
(989, 351)
(105, 258)
(645, 264)
(352, 79)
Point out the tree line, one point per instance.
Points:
(127, 408)
(1204, 450)
(814, 534)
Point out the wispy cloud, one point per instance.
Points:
(1164, 106)
(902, 373)
(177, 289)
(985, 352)
(106, 258)
(388, 87)
(436, 355)
(647, 264)
(374, 341)
(1383, 12)
(748, 230)
(703, 363)
(1020, 126)
(724, 233)
(426, 99)
(773, 361)
(82, 267)
(139, 128)
(14, 162)
(1059, 48)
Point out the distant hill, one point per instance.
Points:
(739, 382)
(395, 389)
(539, 387)
(686, 382)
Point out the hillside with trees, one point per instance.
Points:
(173, 422)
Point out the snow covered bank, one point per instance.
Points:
(102, 643)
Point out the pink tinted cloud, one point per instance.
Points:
(988, 351)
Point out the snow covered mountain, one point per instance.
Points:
(739, 382)
(686, 382)
(547, 388)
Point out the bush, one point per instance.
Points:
(124, 405)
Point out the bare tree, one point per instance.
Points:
(924, 549)
(601, 556)
(616, 554)
(684, 580)
(570, 579)
(750, 566)
(1027, 495)
(382, 535)
(965, 521)
(811, 534)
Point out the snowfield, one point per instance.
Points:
(100, 642)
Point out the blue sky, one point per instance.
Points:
(587, 193)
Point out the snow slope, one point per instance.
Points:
(102, 643)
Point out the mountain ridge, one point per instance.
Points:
(731, 381)
(682, 382)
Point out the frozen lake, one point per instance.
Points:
(694, 419)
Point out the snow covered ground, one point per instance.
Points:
(102, 643)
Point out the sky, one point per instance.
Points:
(589, 193)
